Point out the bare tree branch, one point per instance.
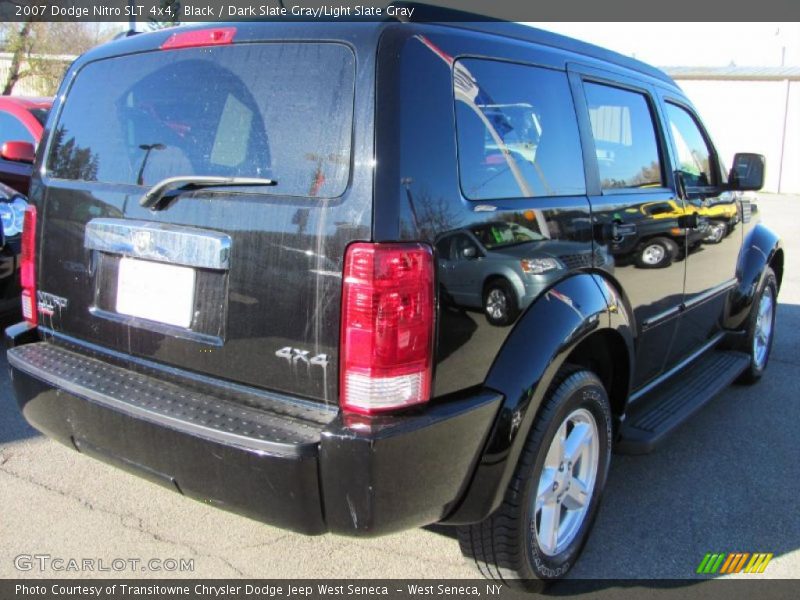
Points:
(37, 50)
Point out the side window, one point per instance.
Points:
(624, 136)
(661, 208)
(443, 247)
(694, 155)
(460, 243)
(517, 133)
(11, 130)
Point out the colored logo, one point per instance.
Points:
(734, 562)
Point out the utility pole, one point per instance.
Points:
(783, 134)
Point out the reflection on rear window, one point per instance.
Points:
(516, 131)
(277, 111)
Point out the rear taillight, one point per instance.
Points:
(219, 36)
(27, 266)
(387, 327)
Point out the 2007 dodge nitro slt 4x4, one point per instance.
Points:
(257, 258)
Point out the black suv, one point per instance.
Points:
(231, 284)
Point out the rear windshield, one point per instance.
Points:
(280, 111)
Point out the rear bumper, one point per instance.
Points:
(303, 472)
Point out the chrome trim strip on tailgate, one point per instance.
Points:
(161, 242)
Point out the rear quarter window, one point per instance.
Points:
(517, 131)
(281, 111)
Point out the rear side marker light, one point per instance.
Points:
(27, 266)
(219, 36)
(386, 351)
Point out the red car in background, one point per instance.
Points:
(21, 126)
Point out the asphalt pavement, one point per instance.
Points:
(728, 481)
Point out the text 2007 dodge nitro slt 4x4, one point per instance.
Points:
(361, 277)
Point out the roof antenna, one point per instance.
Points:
(401, 18)
(131, 19)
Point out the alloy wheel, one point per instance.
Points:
(496, 304)
(566, 483)
(653, 254)
(717, 232)
(763, 331)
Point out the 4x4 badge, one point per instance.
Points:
(295, 355)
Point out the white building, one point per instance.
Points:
(750, 109)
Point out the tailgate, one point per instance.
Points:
(241, 283)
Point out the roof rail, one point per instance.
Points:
(488, 23)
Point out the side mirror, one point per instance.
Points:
(18, 152)
(470, 252)
(747, 173)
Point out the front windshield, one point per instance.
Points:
(501, 235)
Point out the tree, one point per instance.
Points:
(44, 51)
(71, 161)
(18, 44)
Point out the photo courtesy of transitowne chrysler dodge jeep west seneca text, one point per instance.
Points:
(434, 276)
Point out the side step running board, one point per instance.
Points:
(672, 403)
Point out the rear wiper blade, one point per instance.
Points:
(171, 187)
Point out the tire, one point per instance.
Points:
(500, 303)
(717, 232)
(656, 253)
(760, 329)
(512, 546)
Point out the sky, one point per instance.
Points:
(693, 44)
